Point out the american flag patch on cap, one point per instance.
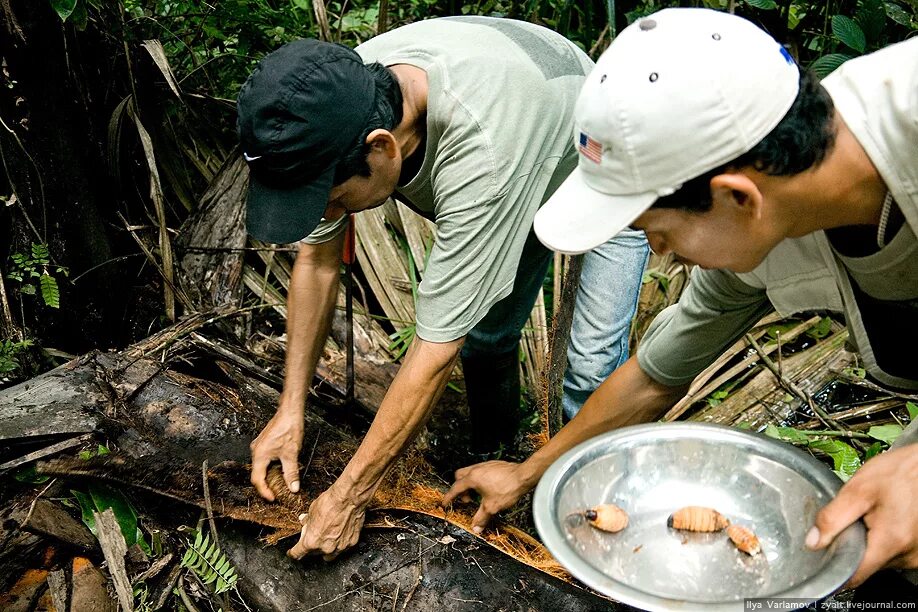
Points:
(589, 148)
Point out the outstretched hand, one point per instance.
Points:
(499, 484)
(883, 493)
(281, 439)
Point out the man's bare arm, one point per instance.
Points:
(310, 306)
(627, 397)
(336, 517)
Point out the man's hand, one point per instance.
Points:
(332, 526)
(281, 439)
(883, 493)
(498, 482)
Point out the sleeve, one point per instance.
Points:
(326, 230)
(714, 311)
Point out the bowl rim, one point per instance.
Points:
(846, 552)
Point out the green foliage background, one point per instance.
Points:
(213, 46)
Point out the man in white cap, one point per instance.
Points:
(698, 128)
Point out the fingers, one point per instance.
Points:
(882, 546)
(299, 549)
(291, 470)
(851, 503)
(259, 472)
(458, 489)
(480, 520)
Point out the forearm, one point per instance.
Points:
(311, 301)
(627, 397)
(408, 403)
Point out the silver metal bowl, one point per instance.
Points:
(652, 470)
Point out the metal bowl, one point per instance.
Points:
(652, 470)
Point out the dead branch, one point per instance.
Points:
(560, 332)
(792, 387)
(861, 382)
(114, 549)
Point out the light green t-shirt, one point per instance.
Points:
(501, 95)
(877, 96)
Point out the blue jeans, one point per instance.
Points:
(610, 283)
(606, 302)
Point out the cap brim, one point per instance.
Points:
(289, 214)
(577, 218)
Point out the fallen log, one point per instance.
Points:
(160, 423)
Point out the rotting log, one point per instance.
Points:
(210, 271)
(762, 400)
(412, 563)
(161, 423)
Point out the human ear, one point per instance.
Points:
(738, 190)
(384, 142)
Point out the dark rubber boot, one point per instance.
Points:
(492, 385)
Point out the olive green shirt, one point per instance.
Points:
(877, 97)
(501, 95)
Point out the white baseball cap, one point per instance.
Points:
(678, 93)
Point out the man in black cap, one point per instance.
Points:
(468, 120)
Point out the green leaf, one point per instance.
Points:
(912, 410)
(28, 289)
(885, 433)
(872, 18)
(208, 562)
(762, 4)
(302, 4)
(63, 8)
(844, 457)
(86, 509)
(49, 291)
(847, 31)
(104, 497)
(80, 16)
(875, 449)
(827, 64)
(821, 329)
(28, 475)
(787, 434)
(143, 543)
(898, 14)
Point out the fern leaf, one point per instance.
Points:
(210, 564)
(49, 291)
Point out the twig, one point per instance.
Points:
(208, 506)
(184, 596)
(311, 453)
(792, 387)
(417, 582)
(224, 598)
(778, 339)
(599, 40)
(869, 385)
(35, 501)
(48, 450)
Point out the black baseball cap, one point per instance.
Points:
(304, 106)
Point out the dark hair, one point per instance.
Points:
(800, 141)
(386, 114)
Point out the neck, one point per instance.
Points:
(410, 132)
(845, 189)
